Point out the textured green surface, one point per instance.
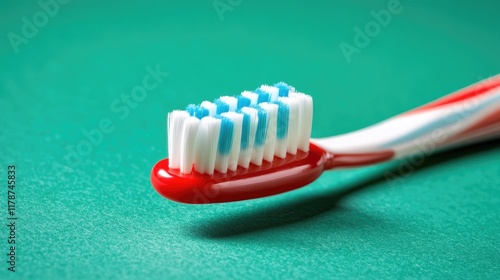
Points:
(100, 218)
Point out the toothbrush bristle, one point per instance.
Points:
(234, 131)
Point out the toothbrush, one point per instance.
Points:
(258, 144)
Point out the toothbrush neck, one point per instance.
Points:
(355, 159)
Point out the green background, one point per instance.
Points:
(99, 217)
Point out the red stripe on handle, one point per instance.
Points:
(480, 88)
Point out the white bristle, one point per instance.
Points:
(221, 163)
(281, 144)
(174, 127)
(237, 120)
(206, 145)
(254, 97)
(222, 160)
(305, 119)
(231, 101)
(187, 152)
(272, 115)
(210, 106)
(246, 154)
(273, 91)
(258, 150)
(293, 123)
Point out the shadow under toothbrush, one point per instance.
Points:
(310, 207)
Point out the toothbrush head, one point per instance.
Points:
(239, 147)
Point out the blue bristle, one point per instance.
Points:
(200, 112)
(191, 109)
(283, 89)
(243, 101)
(264, 96)
(225, 135)
(282, 122)
(222, 106)
(260, 135)
(245, 131)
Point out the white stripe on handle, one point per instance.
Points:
(466, 116)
